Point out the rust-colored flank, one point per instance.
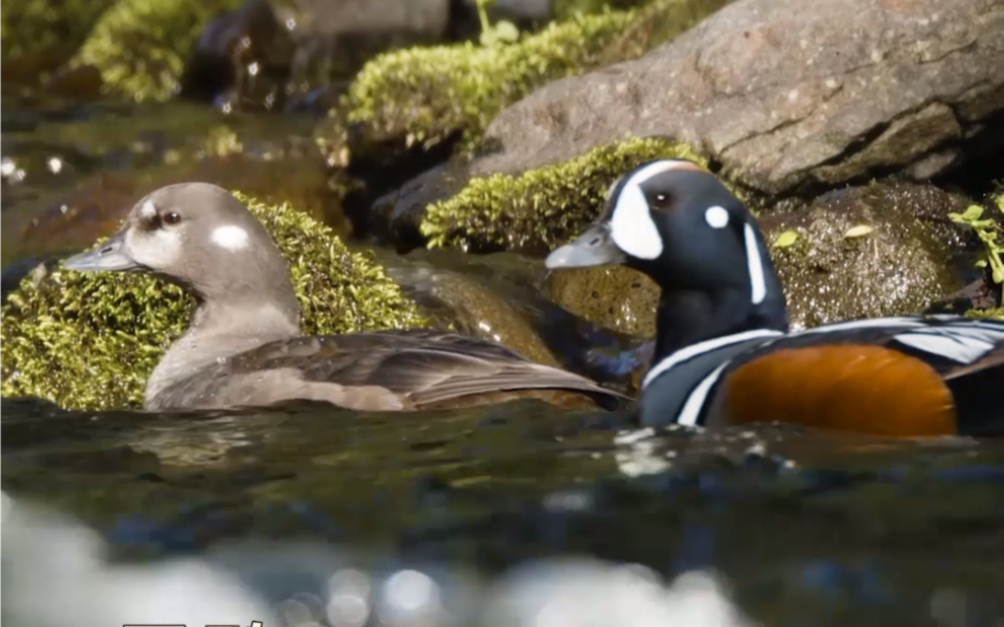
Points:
(845, 387)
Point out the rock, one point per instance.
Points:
(839, 91)
(499, 297)
(90, 341)
(335, 37)
(140, 46)
(421, 96)
(615, 297)
(242, 60)
(877, 250)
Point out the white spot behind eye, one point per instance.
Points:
(716, 217)
(755, 264)
(148, 210)
(631, 225)
(230, 237)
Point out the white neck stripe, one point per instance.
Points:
(689, 352)
(695, 401)
(757, 281)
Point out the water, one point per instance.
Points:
(800, 528)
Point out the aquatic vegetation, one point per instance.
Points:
(90, 341)
(140, 46)
(541, 208)
(990, 233)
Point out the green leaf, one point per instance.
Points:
(786, 239)
(506, 31)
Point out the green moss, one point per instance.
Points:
(47, 27)
(140, 46)
(90, 341)
(542, 208)
(422, 95)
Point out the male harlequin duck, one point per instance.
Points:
(724, 353)
(243, 347)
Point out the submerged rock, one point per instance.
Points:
(535, 211)
(91, 340)
(140, 46)
(837, 91)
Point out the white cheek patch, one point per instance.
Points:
(755, 265)
(716, 217)
(230, 237)
(148, 210)
(631, 225)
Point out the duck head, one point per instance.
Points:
(674, 221)
(198, 236)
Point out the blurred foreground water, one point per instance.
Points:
(511, 515)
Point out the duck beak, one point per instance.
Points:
(593, 248)
(109, 256)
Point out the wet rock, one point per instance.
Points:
(141, 46)
(335, 37)
(500, 297)
(453, 299)
(878, 250)
(242, 60)
(91, 340)
(617, 298)
(787, 100)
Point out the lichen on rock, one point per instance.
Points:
(422, 95)
(90, 340)
(140, 46)
(539, 209)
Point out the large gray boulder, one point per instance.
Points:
(787, 94)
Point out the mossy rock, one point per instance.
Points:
(422, 95)
(141, 46)
(90, 341)
(46, 32)
(537, 210)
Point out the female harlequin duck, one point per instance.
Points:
(243, 346)
(724, 353)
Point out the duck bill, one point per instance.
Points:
(594, 247)
(109, 256)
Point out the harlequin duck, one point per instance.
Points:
(243, 347)
(724, 351)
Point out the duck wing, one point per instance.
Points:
(422, 366)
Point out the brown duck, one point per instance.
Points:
(243, 346)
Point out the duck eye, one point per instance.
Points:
(172, 217)
(661, 201)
